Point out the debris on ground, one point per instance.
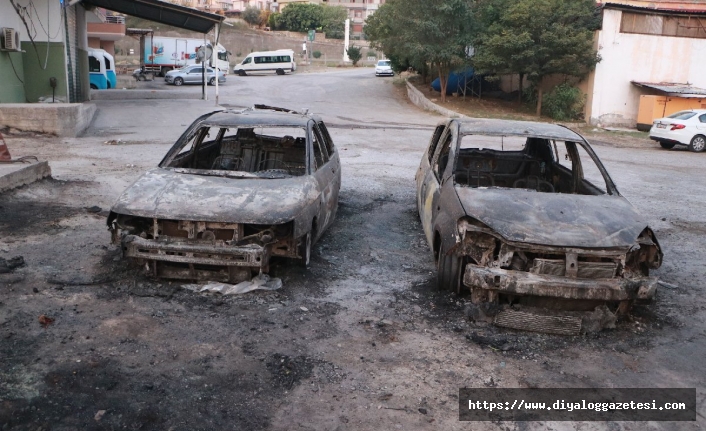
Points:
(45, 321)
(7, 265)
(260, 281)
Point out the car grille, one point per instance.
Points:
(585, 269)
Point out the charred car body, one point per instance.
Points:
(525, 213)
(237, 188)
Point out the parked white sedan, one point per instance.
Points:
(683, 128)
(384, 67)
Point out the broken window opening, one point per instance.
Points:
(531, 163)
(264, 151)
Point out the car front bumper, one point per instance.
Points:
(528, 284)
(384, 72)
(187, 251)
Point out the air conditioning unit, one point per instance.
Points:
(10, 39)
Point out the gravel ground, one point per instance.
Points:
(361, 341)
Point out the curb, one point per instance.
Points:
(11, 178)
(419, 99)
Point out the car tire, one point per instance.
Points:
(305, 250)
(94, 87)
(241, 72)
(178, 81)
(449, 270)
(212, 81)
(667, 145)
(698, 143)
(279, 72)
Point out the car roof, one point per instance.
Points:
(492, 126)
(254, 117)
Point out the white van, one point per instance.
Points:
(280, 62)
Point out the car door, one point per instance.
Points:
(324, 175)
(701, 123)
(428, 181)
(334, 165)
(194, 75)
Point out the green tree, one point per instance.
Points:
(424, 34)
(355, 54)
(251, 15)
(333, 21)
(536, 39)
(301, 16)
(274, 22)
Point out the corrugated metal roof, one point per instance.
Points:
(674, 89)
(162, 12)
(684, 6)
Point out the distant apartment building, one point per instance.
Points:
(358, 11)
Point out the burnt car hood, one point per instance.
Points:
(554, 219)
(165, 194)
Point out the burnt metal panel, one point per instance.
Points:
(166, 194)
(554, 219)
(526, 283)
(498, 127)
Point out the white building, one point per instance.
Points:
(643, 43)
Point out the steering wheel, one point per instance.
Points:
(232, 163)
(475, 177)
(533, 182)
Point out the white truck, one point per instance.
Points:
(162, 54)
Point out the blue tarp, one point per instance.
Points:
(457, 81)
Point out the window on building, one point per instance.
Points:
(663, 25)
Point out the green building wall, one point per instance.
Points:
(11, 87)
(36, 77)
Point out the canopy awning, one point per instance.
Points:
(674, 89)
(162, 12)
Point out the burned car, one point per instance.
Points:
(524, 215)
(237, 188)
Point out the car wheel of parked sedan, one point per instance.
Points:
(178, 81)
(449, 269)
(212, 81)
(305, 251)
(667, 145)
(698, 143)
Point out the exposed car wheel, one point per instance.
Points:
(449, 269)
(279, 72)
(212, 81)
(178, 81)
(94, 87)
(305, 250)
(698, 143)
(241, 72)
(667, 145)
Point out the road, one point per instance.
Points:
(361, 341)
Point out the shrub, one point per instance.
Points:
(355, 54)
(316, 54)
(565, 102)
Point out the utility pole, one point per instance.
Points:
(345, 41)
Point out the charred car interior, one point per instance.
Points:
(238, 188)
(525, 215)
